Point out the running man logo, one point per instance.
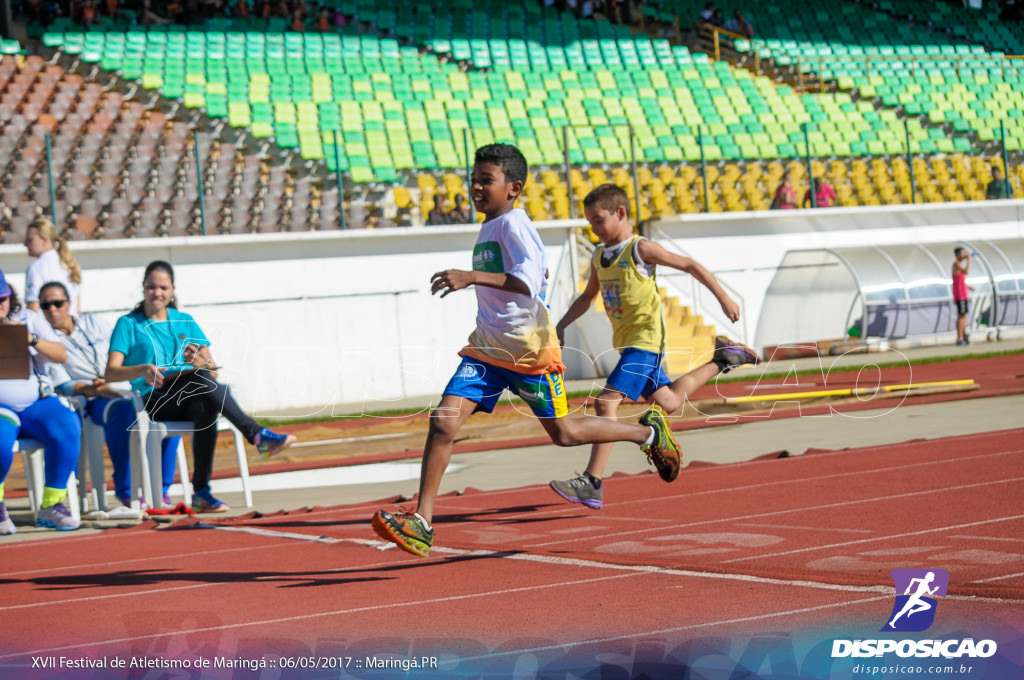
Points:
(914, 610)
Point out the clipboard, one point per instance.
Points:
(14, 356)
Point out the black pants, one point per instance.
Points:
(196, 397)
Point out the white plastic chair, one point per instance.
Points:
(93, 440)
(32, 456)
(146, 448)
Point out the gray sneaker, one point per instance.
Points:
(57, 517)
(579, 490)
(6, 525)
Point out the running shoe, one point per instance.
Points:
(405, 529)
(57, 517)
(269, 443)
(663, 452)
(729, 354)
(580, 489)
(204, 501)
(6, 525)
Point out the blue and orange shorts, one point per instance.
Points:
(483, 384)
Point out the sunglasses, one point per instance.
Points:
(52, 303)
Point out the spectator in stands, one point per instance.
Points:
(439, 215)
(88, 13)
(739, 25)
(241, 9)
(166, 356)
(54, 262)
(28, 408)
(460, 213)
(708, 12)
(717, 19)
(323, 21)
(148, 17)
(824, 194)
(785, 195)
(86, 340)
(999, 187)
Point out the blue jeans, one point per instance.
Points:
(57, 427)
(117, 417)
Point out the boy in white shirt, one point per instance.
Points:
(514, 346)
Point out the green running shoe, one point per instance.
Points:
(663, 452)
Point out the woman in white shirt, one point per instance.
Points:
(28, 408)
(54, 262)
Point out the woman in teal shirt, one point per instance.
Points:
(166, 356)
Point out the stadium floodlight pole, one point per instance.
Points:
(199, 182)
(636, 178)
(810, 171)
(339, 179)
(49, 173)
(703, 166)
(1006, 158)
(910, 163)
(469, 175)
(568, 171)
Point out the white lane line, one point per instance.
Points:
(593, 564)
(455, 506)
(145, 560)
(776, 513)
(999, 578)
(1007, 539)
(678, 629)
(831, 530)
(304, 617)
(877, 539)
(164, 589)
(630, 570)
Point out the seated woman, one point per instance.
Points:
(166, 356)
(29, 409)
(86, 339)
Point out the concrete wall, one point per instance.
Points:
(308, 320)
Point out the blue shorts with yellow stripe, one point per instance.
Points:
(483, 383)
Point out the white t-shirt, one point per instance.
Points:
(18, 395)
(45, 268)
(512, 330)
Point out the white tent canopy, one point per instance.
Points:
(893, 292)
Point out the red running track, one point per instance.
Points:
(772, 554)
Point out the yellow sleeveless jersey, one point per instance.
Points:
(631, 301)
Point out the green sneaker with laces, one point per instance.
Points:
(663, 452)
(405, 529)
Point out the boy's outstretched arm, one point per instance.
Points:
(452, 280)
(655, 253)
(579, 306)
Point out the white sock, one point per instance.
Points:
(426, 524)
(650, 439)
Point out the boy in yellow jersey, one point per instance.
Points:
(514, 346)
(623, 272)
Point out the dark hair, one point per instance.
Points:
(15, 303)
(157, 265)
(957, 251)
(608, 197)
(511, 160)
(53, 284)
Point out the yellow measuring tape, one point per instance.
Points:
(847, 392)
